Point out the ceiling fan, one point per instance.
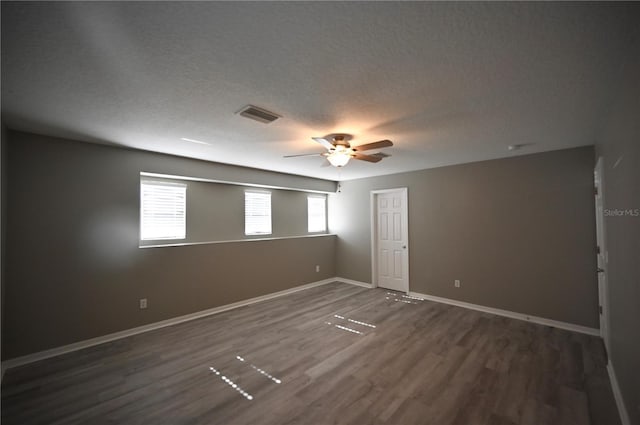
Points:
(339, 150)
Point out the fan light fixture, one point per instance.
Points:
(339, 150)
(340, 156)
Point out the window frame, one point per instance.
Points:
(181, 221)
(324, 214)
(270, 214)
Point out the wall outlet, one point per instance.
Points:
(317, 269)
(456, 283)
(143, 303)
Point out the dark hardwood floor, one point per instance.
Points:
(331, 354)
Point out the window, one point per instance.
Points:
(257, 213)
(162, 210)
(317, 213)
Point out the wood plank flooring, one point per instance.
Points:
(332, 354)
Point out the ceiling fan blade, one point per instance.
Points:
(375, 145)
(369, 158)
(302, 154)
(324, 142)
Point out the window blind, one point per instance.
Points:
(257, 213)
(317, 214)
(162, 210)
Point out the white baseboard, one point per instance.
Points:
(617, 395)
(353, 282)
(41, 355)
(511, 314)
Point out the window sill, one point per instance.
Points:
(164, 245)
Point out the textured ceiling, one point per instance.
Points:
(447, 82)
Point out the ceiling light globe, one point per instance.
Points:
(338, 159)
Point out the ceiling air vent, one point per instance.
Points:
(258, 114)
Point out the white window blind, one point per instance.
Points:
(163, 210)
(317, 214)
(257, 213)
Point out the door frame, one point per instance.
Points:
(603, 285)
(404, 193)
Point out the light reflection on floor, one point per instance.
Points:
(357, 322)
(231, 383)
(361, 323)
(348, 329)
(237, 387)
(344, 328)
(408, 299)
(262, 372)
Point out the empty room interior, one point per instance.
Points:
(320, 213)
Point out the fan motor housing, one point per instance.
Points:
(339, 139)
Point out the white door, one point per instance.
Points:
(601, 255)
(391, 253)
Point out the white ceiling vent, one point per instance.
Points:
(258, 114)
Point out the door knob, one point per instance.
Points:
(599, 270)
(404, 247)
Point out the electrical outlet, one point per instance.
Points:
(456, 283)
(143, 303)
(317, 269)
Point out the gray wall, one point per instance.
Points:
(3, 216)
(74, 270)
(518, 232)
(619, 146)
